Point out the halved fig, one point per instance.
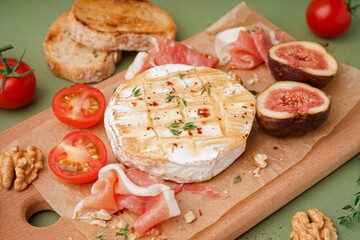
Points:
(302, 61)
(289, 108)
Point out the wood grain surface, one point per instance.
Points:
(328, 154)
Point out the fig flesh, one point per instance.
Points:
(302, 61)
(289, 108)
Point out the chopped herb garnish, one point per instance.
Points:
(169, 98)
(181, 76)
(189, 126)
(135, 92)
(124, 232)
(184, 102)
(253, 92)
(237, 179)
(175, 127)
(100, 235)
(206, 87)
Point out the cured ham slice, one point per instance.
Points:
(139, 192)
(199, 189)
(167, 51)
(247, 50)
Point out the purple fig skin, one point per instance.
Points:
(298, 125)
(284, 72)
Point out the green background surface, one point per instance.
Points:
(25, 23)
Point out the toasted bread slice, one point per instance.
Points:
(73, 61)
(119, 24)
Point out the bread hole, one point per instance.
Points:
(43, 218)
(38, 213)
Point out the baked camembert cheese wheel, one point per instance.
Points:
(183, 123)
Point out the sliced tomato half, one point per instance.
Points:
(78, 158)
(79, 105)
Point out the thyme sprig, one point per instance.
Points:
(353, 211)
(135, 92)
(170, 97)
(206, 87)
(122, 232)
(175, 128)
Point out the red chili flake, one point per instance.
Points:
(244, 106)
(275, 148)
(200, 213)
(153, 104)
(174, 90)
(254, 174)
(148, 110)
(190, 133)
(175, 144)
(242, 116)
(203, 112)
(170, 83)
(199, 130)
(148, 128)
(235, 116)
(243, 173)
(192, 91)
(245, 113)
(196, 83)
(134, 104)
(246, 135)
(246, 122)
(132, 230)
(140, 98)
(203, 123)
(252, 105)
(154, 92)
(219, 119)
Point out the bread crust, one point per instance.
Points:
(129, 32)
(69, 64)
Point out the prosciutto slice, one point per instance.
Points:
(199, 189)
(248, 50)
(167, 51)
(118, 189)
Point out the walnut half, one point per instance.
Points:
(320, 227)
(26, 164)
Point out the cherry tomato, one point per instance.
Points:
(17, 91)
(328, 18)
(79, 105)
(78, 158)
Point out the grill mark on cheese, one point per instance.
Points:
(227, 100)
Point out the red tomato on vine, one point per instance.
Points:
(18, 83)
(330, 18)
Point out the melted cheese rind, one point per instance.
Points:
(139, 133)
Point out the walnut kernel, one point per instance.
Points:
(320, 227)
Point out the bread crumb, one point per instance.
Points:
(260, 160)
(190, 217)
(226, 191)
(131, 236)
(97, 222)
(102, 215)
(256, 172)
(254, 80)
(121, 224)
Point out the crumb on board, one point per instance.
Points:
(190, 217)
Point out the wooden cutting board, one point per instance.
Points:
(344, 140)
